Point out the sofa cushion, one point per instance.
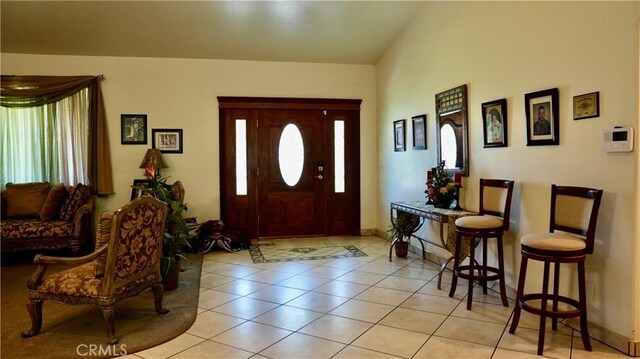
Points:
(53, 203)
(25, 200)
(33, 228)
(74, 201)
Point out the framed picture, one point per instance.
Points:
(419, 132)
(133, 129)
(136, 187)
(167, 140)
(494, 117)
(586, 106)
(542, 117)
(398, 136)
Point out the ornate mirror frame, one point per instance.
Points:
(451, 109)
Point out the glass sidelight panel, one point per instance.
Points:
(291, 154)
(338, 140)
(241, 157)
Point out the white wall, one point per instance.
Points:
(182, 93)
(505, 50)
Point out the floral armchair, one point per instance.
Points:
(126, 261)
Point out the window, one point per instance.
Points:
(45, 143)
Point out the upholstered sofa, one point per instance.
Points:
(39, 216)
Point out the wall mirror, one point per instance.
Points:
(452, 129)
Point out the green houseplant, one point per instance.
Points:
(401, 228)
(176, 231)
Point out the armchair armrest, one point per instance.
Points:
(43, 263)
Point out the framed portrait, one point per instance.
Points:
(543, 120)
(494, 117)
(419, 132)
(137, 186)
(133, 129)
(167, 140)
(398, 136)
(586, 106)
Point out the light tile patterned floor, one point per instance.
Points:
(362, 307)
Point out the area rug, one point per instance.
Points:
(269, 253)
(71, 331)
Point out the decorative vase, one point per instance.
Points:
(401, 248)
(443, 202)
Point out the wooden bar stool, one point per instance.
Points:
(491, 222)
(574, 212)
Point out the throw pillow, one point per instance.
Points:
(74, 201)
(25, 200)
(53, 203)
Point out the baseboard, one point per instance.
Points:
(368, 232)
(614, 340)
(608, 337)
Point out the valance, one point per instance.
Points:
(32, 91)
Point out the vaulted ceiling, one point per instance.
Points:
(347, 32)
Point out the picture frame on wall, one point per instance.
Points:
(167, 140)
(586, 106)
(419, 129)
(542, 112)
(133, 129)
(494, 117)
(399, 135)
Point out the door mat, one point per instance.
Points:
(268, 253)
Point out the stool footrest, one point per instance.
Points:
(549, 312)
(460, 273)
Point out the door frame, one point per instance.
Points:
(240, 213)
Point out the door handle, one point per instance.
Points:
(319, 177)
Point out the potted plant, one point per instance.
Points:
(176, 232)
(401, 229)
(440, 187)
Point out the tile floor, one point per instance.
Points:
(364, 307)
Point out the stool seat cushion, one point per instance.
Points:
(479, 222)
(556, 241)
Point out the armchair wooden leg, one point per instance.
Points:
(109, 320)
(158, 292)
(34, 306)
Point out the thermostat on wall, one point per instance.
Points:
(617, 139)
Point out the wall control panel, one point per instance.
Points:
(617, 139)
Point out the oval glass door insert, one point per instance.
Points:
(291, 154)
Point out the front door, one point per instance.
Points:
(291, 173)
(290, 167)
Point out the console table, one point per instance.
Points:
(441, 216)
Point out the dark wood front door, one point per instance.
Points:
(292, 188)
(320, 195)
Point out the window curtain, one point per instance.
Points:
(29, 91)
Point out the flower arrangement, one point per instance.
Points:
(440, 187)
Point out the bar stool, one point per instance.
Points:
(491, 222)
(574, 212)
